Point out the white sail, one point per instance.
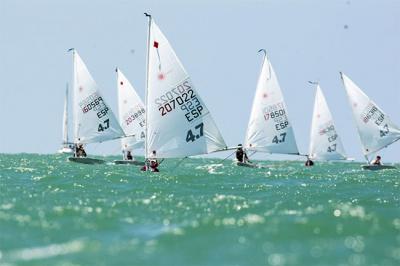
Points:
(131, 114)
(66, 147)
(325, 143)
(65, 119)
(375, 128)
(178, 122)
(269, 129)
(94, 121)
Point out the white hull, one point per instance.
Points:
(66, 150)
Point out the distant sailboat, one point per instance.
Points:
(375, 129)
(325, 143)
(132, 119)
(94, 121)
(269, 129)
(178, 122)
(66, 145)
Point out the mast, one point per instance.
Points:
(311, 131)
(264, 57)
(147, 89)
(65, 124)
(73, 89)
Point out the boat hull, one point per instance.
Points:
(377, 167)
(86, 160)
(129, 162)
(250, 165)
(66, 151)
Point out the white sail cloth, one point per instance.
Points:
(131, 114)
(178, 122)
(94, 121)
(65, 119)
(325, 143)
(375, 128)
(269, 129)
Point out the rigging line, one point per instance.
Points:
(179, 163)
(226, 157)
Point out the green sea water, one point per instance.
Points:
(54, 212)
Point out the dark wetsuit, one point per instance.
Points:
(241, 156)
(80, 152)
(153, 166)
(309, 163)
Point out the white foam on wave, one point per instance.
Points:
(211, 168)
(49, 251)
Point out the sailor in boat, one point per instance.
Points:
(129, 156)
(80, 151)
(377, 161)
(309, 162)
(241, 155)
(152, 163)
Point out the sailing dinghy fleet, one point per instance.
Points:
(174, 121)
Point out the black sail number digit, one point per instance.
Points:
(198, 132)
(279, 139)
(385, 131)
(103, 126)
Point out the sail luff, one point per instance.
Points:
(146, 142)
(75, 97)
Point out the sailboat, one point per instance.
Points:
(269, 129)
(375, 129)
(178, 122)
(131, 114)
(66, 145)
(325, 143)
(94, 120)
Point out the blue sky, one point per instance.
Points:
(217, 41)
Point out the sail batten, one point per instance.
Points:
(375, 128)
(325, 143)
(269, 129)
(179, 123)
(94, 120)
